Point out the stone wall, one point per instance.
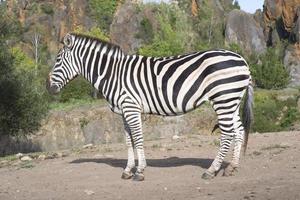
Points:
(98, 125)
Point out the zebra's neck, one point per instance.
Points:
(99, 63)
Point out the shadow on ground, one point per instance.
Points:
(166, 162)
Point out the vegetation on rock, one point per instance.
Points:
(164, 30)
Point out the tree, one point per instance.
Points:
(236, 5)
(21, 107)
(36, 44)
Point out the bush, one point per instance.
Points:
(22, 103)
(47, 8)
(269, 72)
(78, 88)
(174, 35)
(21, 60)
(209, 26)
(103, 11)
(273, 114)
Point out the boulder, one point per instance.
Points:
(125, 26)
(297, 27)
(281, 16)
(292, 64)
(289, 13)
(242, 29)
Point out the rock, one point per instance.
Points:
(125, 26)
(175, 137)
(297, 27)
(60, 155)
(62, 17)
(292, 64)
(242, 29)
(289, 13)
(89, 192)
(87, 146)
(280, 17)
(42, 157)
(19, 155)
(26, 158)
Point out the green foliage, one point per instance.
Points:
(22, 104)
(21, 61)
(146, 31)
(47, 8)
(236, 5)
(93, 32)
(174, 33)
(235, 48)
(9, 26)
(74, 103)
(78, 88)
(209, 27)
(102, 11)
(269, 72)
(273, 114)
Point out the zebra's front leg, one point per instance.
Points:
(132, 116)
(127, 173)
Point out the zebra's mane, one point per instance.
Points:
(100, 41)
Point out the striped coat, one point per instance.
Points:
(134, 84)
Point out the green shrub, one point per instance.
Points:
(273, 114)
(47, 8)
(78, 88)
(146, 31)
(174, 34)
(270, 73)
(102, 11)
(22, 103)
(209, 27)
(21, 60)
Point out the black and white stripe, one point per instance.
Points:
(134, 84)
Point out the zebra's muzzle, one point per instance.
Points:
(52, 89)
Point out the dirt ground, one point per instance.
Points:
(270, 170)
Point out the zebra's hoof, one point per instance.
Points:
(138, 177)
(127, 175)
(230, 170)
(207, 176)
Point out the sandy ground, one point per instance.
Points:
(270, 170)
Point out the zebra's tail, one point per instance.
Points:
(248, 113)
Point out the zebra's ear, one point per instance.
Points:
(68, 41)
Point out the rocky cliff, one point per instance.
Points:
(51, 19)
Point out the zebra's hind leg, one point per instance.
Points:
(238, 141)
(225, 114)
(225, 143)
(127, 173)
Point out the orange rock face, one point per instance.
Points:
(53, 18)
(275, 9)
(289, 13)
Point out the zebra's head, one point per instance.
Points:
(65, 68)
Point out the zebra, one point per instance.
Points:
(168, 86)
